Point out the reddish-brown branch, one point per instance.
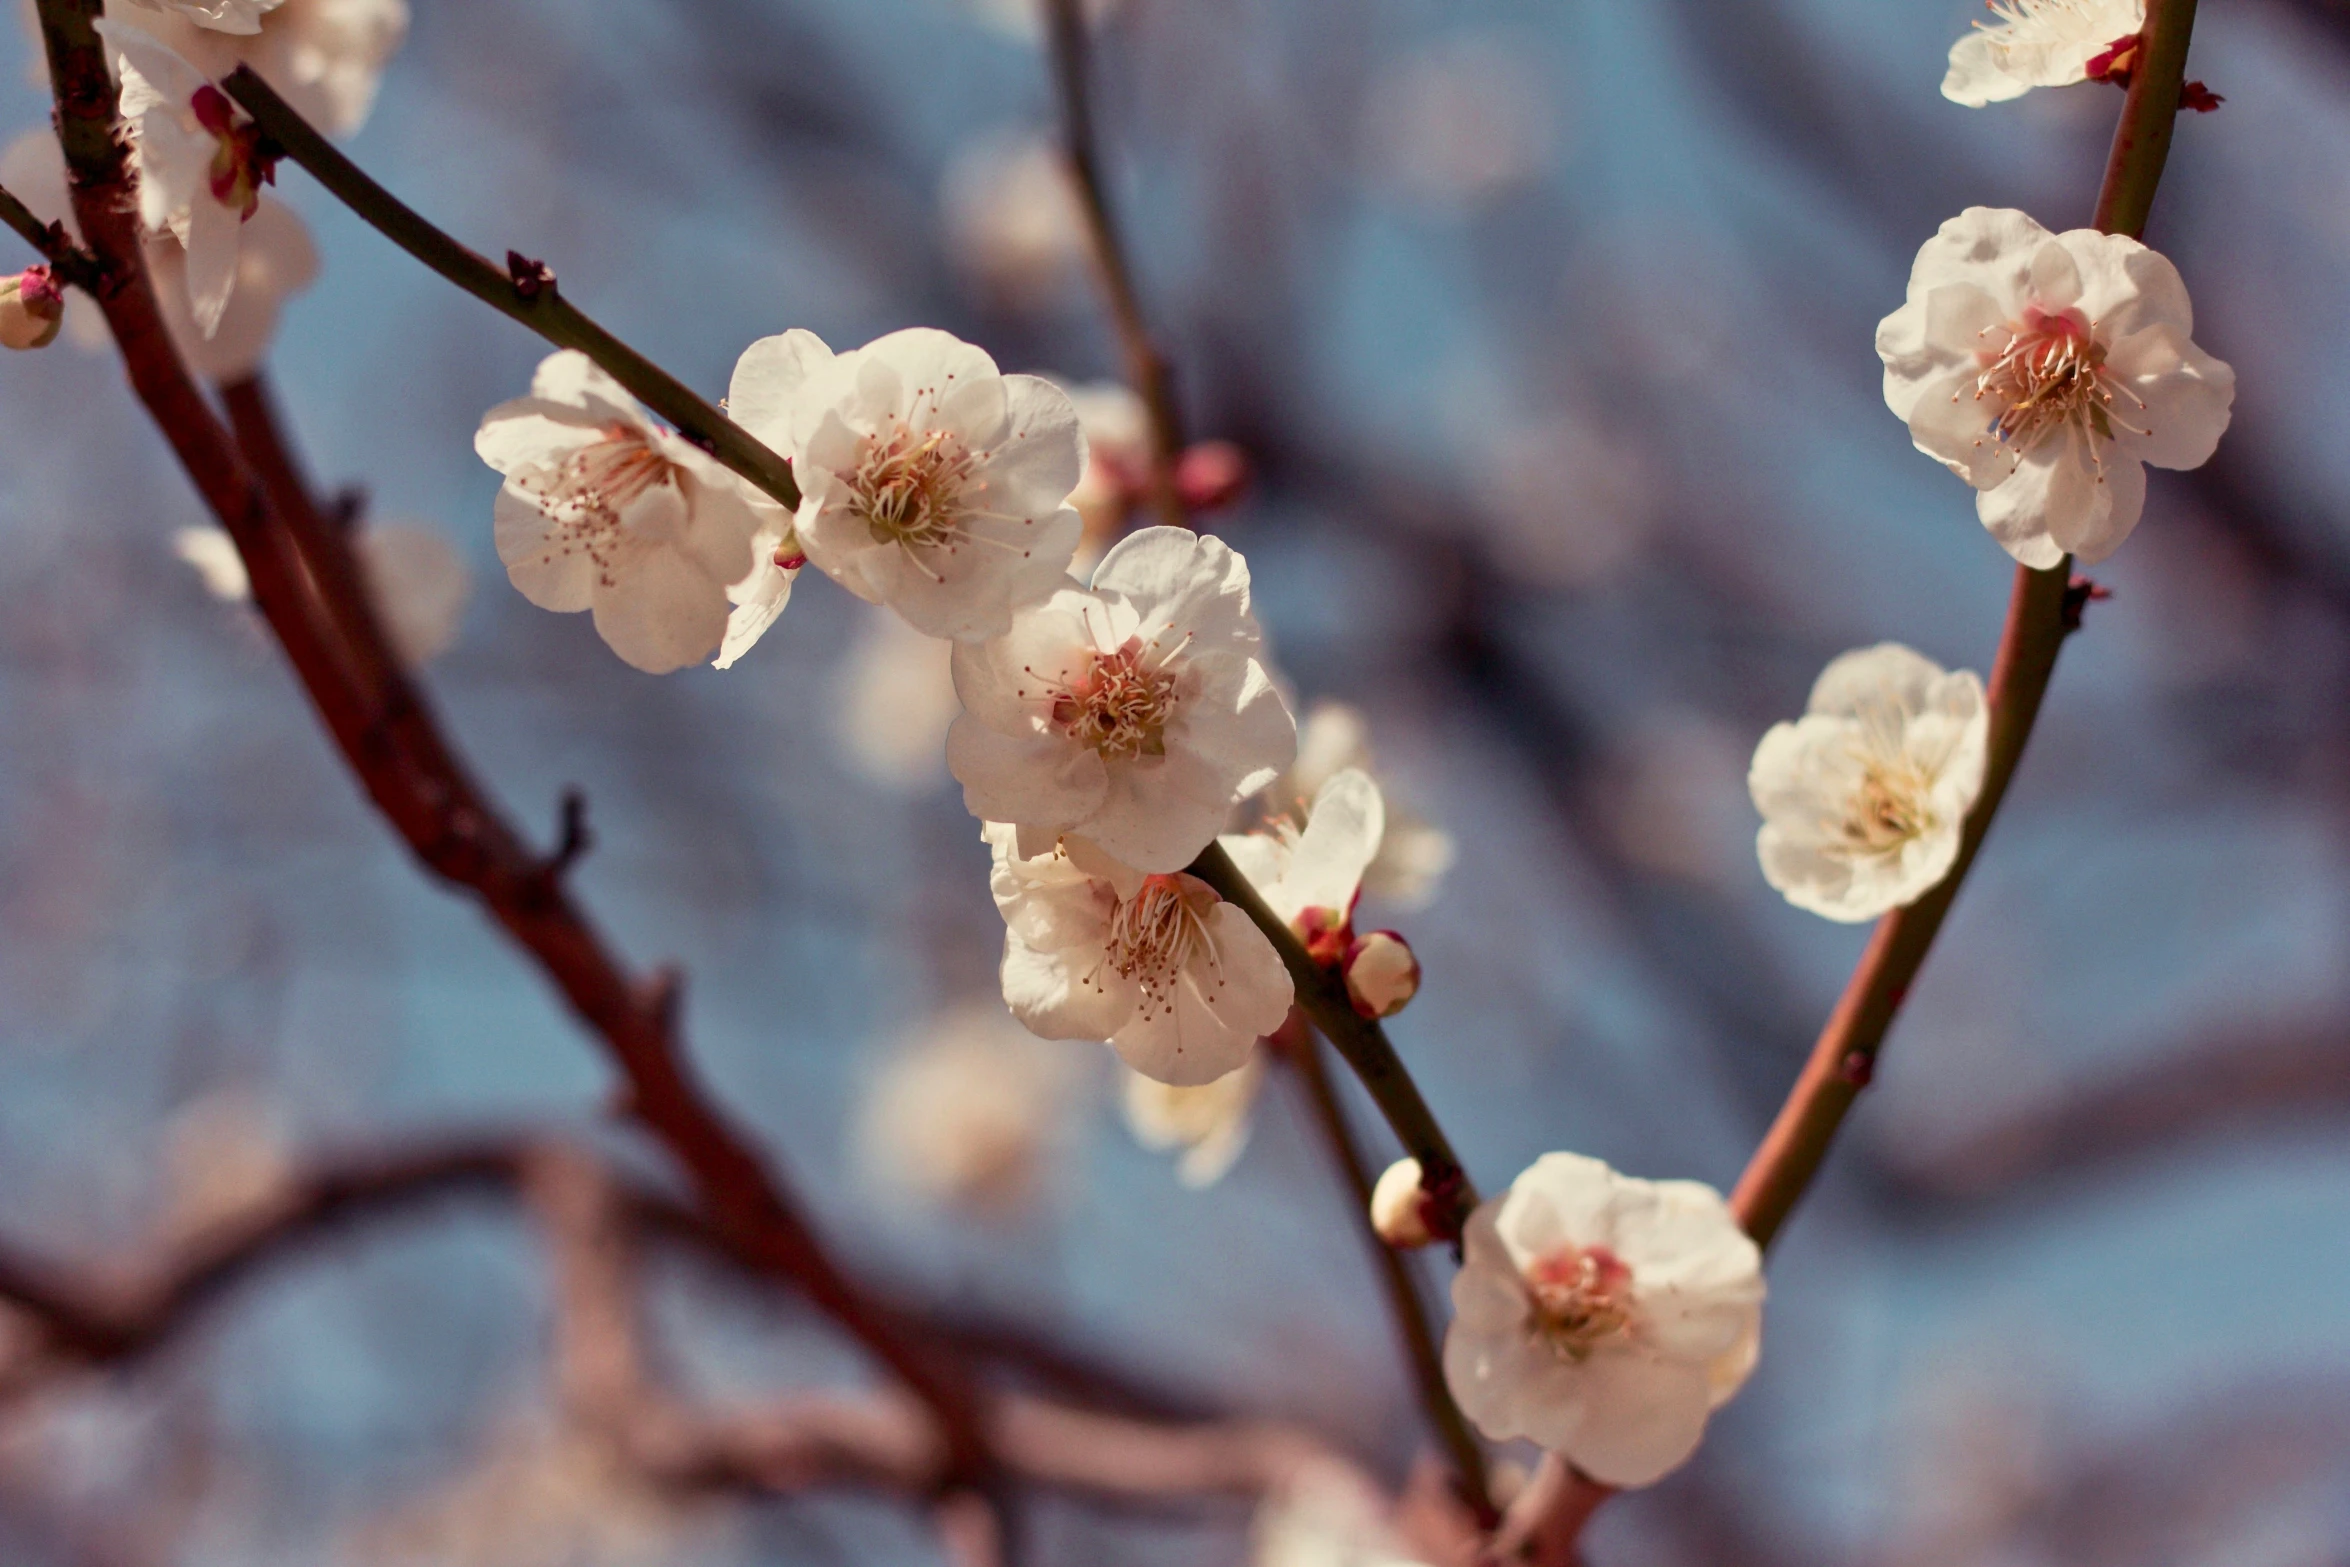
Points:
(390, 740)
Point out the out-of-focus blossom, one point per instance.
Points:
(224, 1153)
(604, 510)
(1382, 974)
(1117, 463)
(420, 586)
(896, 699)
(542, 1496)
(929, 482)
(2036, 43)
(1569, 499)
(1013, 221)
(32, 309)
(1326, 1521)
(1134, 711)
(228, 16)
(1461, 122)
(1172, 977)
(1399, 1206)
(213, 556)
(275, 260)
(324, 57)
(968, 1114)
(1674, 797)
(760, 598)
(2046, 370)
(200, 161)
(1311, 876)
(1865, 797)
(1206, 1125)
(415, 578)
(1603, 1317)
(1412, 855)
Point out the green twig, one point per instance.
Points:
(522, 289)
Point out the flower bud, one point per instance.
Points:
(31, 309)
(1399, 1208)
(1211, 475)
(1382, 976)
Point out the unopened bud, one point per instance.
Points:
(1399, 1207)
(1382, 976)
(31, 309)
(1211, 475)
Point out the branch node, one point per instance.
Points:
(2079, 594)
(1859, 1068)
(347, 506)
(531, 278)
(572, 837)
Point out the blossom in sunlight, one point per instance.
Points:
(929, 482)
(1172, 977)
(1413, 853)
(2037, 43)
(32, 309)
(228, 16)
(324, 57)
(420, 586)
(1603, 1317)
(968, 1114)
(759, 598)
(2046, 370)
(1134, 711)
(1865, 797)
(1013, 220)
(1399, 1206)
(604, 510)
(1311, 876)
(1326, 1520)
(1206, 1125)
(200, 160)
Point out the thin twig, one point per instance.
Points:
(69, 261)
(395, 748)
(523, 289)
(1146, 368)
(1362, 1043)
(1302, 1050)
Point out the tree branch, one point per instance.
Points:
(523, 289)
(1302, 1050)
(1147, 369)
(71, 263)
(392, 743)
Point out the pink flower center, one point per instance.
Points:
(909, 489)
(1120, 705)
(240, 167)
(2050, 377)
(1582, 1298)
(1156, 933)
(589, 493)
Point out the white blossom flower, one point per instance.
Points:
(199, 160)
(2046, 370)
(324, 57)
(1382, 973)
(1864, 798)
(212, 555)
(929, 482)
(1172, 977)
(969, 1113)
(1207, 1123)
(420, 586)
(2036, 43)
(1326, 1519)
(604, 510)
(1399, 1206)
(228, 16)
(1603, 1317)
(759, 599)
(1013, 221)
(1413, 853)
(1311, 877)
(1133, 711)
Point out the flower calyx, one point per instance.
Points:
(243, 157)
(32, 308)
